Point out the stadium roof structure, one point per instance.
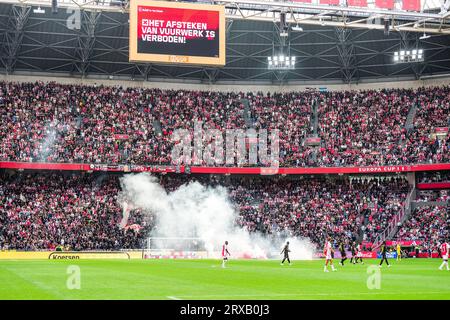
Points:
(336, 44)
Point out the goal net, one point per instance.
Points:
(171, 248)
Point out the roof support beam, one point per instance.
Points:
(313, 8)
(304, 13)
(438, 29)
(14, 35)
(346, 52)
(213, 73)
(86, 39)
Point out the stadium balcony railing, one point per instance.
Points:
(391, 229)
(222, 170)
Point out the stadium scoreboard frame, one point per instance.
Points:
(178, 53)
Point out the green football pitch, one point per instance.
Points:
(205, 279)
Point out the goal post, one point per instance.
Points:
(174, 247)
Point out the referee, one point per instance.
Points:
(342, 251)
(383, 255)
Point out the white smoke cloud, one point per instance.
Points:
(197, 211)
(46, 146)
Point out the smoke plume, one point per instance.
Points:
(46, 146)
(198, 211)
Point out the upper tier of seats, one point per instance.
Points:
(72, 123)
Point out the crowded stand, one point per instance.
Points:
(389, 201)
(84, 211)
(51, 122)
(429, 224)
(290, 113)
(433, 112)
(79, 212)
(436, 176)
(315, 208)
(433, 195)
(363, 128)
(97, 124)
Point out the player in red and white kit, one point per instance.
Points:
(359, 253)
(225, 254)
(445, 251)
(328, 252)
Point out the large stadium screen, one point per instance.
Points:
(186, 33)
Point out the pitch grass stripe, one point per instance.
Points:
(245, 279)
(51, 290)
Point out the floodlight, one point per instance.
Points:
(39, 10)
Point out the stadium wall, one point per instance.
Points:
(224, 170)
(250, 87)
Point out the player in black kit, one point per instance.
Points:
(383, 254)
(286, 253)
(353, 250)
(342, 251)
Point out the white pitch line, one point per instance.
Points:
(305, 294)
(173, 298)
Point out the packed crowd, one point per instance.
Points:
(79, 212)
(429, 224)
(290, 114)
(433, 195)
(435, 176)
(84, 212)
(50, 122)
(96, 124)
(363, 128)
(433, 112)
(389, 199)
(315, 208)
